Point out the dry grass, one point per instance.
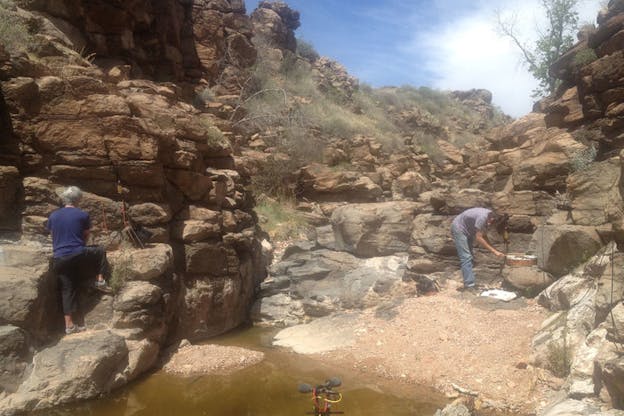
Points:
(281, 220)
(288, 100)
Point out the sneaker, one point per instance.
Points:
(74, 329)
(102, 286)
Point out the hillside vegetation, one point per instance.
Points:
(302, 102)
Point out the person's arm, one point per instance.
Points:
(482, 239)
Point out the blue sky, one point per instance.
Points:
(443, 44)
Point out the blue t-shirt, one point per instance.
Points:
(67, 226)
(472, 220)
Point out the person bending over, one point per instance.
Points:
(467, 227)
(73, 260)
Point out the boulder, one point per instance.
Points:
(150, 214)
(137, 295)
(149, 263)
(612, 376)
(454, 201)
(566, 111)
(25, 299)
(518, 132)
(195, 230)
(276, 22)
(206, 258)
(432, 233)
(561, 294)
(530, 280)
(319, 336)
(410, 185)
(370, 230)
(79, 367)
(571, 407)
(584, 380)
(454, 409)
(424, 266)
(321, 183)
(279, 310)
(548, 163)
(322, 282)
(213, 305)
(142, 356)
(450, 152)
(603, 74)
(140, 306)
(195, 186)
(592, 190)
(97, 309)
(15, 356)
(561, 248)
(556, 344)
(529, 203)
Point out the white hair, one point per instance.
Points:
(71, 195)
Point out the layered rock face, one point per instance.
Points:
(592, 81)
(142, 154)
(161, 39)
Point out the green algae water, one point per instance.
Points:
(266, 389)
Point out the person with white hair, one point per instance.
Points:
(73, 260)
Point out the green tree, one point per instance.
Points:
(306, 50)
(553, 41)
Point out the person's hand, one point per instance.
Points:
(499, 254)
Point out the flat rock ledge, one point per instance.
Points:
(324, 334)
(194, 360)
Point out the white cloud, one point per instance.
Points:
(468, 53)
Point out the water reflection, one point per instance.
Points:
(266, 389)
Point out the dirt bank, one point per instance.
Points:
(454, 342)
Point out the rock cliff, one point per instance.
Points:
(139, 104)
(103, 98)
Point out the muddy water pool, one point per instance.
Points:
(266, 389)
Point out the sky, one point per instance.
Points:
(442, 44)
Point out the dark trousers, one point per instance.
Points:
(75, 270)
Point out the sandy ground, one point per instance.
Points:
(205, 359)
(454, 342)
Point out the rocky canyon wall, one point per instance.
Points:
(103, 98)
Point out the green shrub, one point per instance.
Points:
(582, 159)
(275, 178)
(289, 63)
(306, 50)
(215, 137)
(559, 359)
(281, 220)
(585, 57)
(119, 275)
(202, 97)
